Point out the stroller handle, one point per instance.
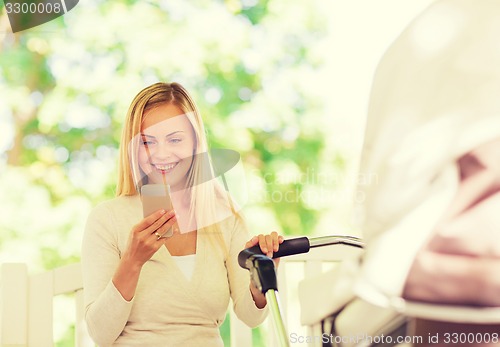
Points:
(263, 271)
(288, 247)
(297, 246)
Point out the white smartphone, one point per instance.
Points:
(155, 197)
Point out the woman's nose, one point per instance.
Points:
(162, 151)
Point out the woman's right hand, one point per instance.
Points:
(145, 237)
(143, 242)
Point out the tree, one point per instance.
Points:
(65, 87)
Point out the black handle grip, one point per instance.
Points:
(288, 247)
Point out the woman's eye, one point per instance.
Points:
(175, 140)
(147, 143)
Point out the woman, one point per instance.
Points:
(143, 285)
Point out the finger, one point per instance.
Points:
(263, 243)
(159, 222)
(168, 228)
(276, 245)
(269, 245)
(252, 242)
(281, 239)
(156, 236)
(149, 220)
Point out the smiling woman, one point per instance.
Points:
(143, 288)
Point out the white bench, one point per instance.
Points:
(26, 305)
(27, 311)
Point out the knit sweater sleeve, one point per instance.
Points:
(106, 311)
(239, 280)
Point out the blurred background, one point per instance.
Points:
(283, 82)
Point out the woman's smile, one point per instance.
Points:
(165, 168)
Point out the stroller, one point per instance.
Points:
(395, 323)
(263, 274)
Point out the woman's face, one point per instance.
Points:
(166, 146)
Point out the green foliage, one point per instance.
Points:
(68, 339)
(65, 88)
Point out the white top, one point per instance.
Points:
(186, 264)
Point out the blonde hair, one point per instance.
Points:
(209, 196)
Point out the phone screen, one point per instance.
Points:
(155, 197)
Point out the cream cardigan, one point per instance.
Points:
(167, 309)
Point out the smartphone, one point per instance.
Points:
(155, 197)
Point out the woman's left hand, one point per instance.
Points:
(269, 244)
